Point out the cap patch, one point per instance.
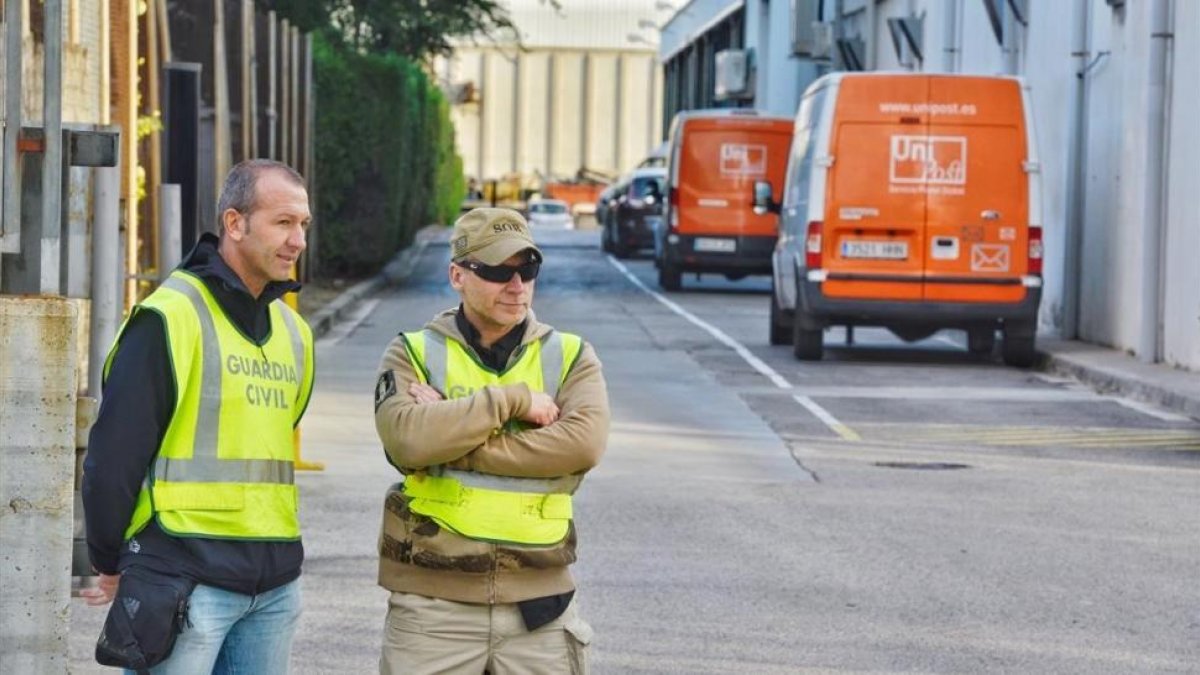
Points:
(507, 226)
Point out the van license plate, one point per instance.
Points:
(885, 250)
(711, 245)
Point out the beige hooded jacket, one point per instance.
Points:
(416, 554)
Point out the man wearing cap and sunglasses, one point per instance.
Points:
(493, 418)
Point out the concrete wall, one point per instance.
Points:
(554, 111)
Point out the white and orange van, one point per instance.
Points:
(912, 202)
(714, 158)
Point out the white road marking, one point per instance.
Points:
(345, 327)
(992, 394)
(830, 421)
(712, 330)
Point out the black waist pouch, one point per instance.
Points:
(149, 612)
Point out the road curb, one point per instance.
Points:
(1156, 384)
(395, 271)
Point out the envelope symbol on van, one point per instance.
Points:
(990, 258)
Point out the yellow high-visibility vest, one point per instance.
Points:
(534, 511)
(225, 468)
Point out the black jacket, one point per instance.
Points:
(139, 396)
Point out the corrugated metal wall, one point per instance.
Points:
(585, 93)
(554, 112)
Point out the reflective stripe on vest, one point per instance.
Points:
(551, 361)
(534, 511)
(225, 468)
(205, 466)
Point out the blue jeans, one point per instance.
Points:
(234, 633)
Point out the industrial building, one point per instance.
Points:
(1115, 85)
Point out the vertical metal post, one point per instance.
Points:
(221, 129)
(170, 243)
(1076, 170)
(106, 272)
(949, 37)
(52, 150)
(313, 252)
(1011, 45)
(252, 79)
(153, 106)
(272, 66)
(1150, 328)
(869, 36)
(10, 225)
(294, 98)
(285, 78)
(247, 31)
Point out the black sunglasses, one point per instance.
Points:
(501, 274)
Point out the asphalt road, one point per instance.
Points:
(893, 508)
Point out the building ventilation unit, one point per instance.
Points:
(734, 79)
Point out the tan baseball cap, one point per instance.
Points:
(491, 236)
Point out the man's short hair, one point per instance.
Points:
(238, 192)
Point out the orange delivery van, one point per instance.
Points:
(911, 202)
(709, 224)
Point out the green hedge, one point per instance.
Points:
(386, 164)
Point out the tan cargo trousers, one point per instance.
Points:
(429, 635)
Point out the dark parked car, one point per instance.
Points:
(633, 210)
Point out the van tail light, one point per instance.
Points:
(1035, 250)
(812, 246)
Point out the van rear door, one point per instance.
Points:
(977, 191)
(874, 230)
(721, 158)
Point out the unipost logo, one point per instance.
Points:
(928, 160)
(743, 159)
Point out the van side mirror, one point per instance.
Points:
(762, 198)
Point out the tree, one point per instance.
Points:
(417, 29)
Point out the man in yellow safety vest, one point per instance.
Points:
(493, 418)
(188, 483)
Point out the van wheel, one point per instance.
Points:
(781, 328)
(619, 250)
(670, 277)
(807, 344)
(981, 341)
(1018, 349)
(606, 240)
